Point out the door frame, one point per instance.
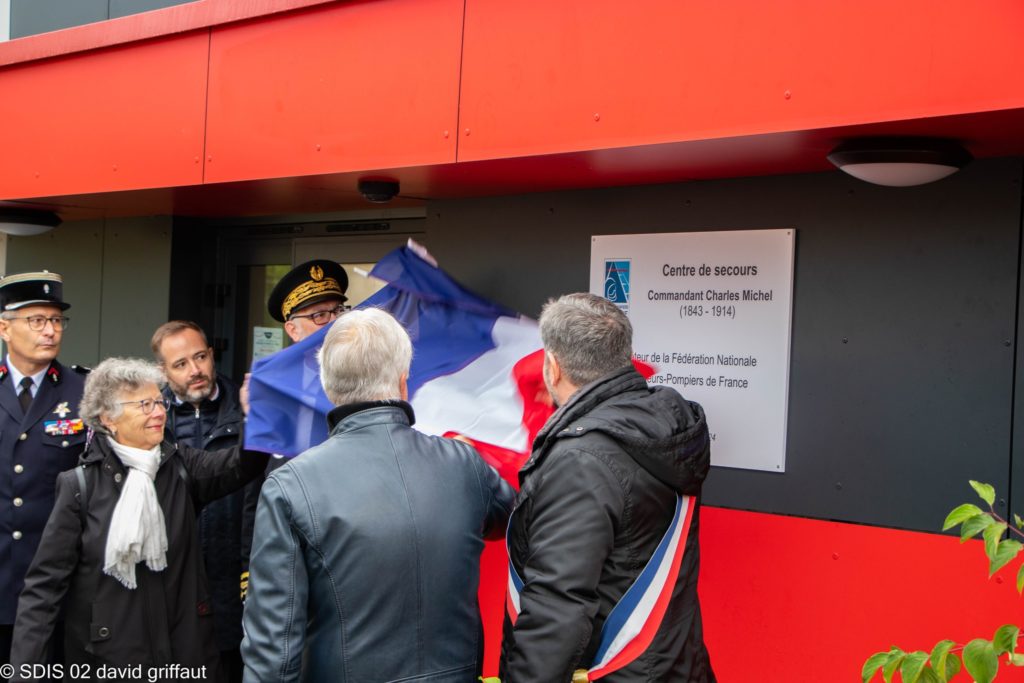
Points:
(255, 244)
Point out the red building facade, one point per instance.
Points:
(495, 117)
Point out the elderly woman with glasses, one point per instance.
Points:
(120, 553)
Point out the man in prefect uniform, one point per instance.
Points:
(311, 295)
(206, 414)
(608, 500)
(41, 433)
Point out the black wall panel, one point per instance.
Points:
(904, 321)
(1016, 496)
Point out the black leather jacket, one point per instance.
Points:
(225, 525)
(365, 561)
(597, 495)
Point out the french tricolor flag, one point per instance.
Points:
(476, 369)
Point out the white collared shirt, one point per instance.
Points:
(17, 376)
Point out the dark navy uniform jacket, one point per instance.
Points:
(34, 448)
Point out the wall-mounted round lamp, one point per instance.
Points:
(26, 222)
(899, 161)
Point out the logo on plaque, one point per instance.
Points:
(616, 283)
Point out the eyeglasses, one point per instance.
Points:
(323, 317)
(147, 404)
(37, 322)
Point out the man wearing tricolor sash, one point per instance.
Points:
(603, 543)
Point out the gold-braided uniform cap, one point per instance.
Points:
(306, 284)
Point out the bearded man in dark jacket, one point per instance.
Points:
(614, 475)
(205, 414)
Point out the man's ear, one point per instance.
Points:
(4, 331)
(289, 328)
(554, 369)
(403, 387)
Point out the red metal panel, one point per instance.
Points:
(117, 119)
(346, 87)
(543, 77)
(790, 599)
(801, 600)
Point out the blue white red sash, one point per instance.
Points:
(635, 619)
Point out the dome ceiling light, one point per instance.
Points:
(899, 161)
(27, 222)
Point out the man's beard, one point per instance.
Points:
(197, 395)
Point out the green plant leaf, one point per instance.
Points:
(929, 676)
(953, 667)
(975, 525)
(940, 659)
(873, 664)
(1018, 521)
(1005, 639)
(1007, 551)
(1020, 579)
(896, 656)
(985, 491)
(1017, 660)
(912, 666)
(980, 660)
(992, 534)
(960, 514)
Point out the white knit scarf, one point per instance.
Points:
(137, 529)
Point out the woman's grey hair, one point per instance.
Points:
(108, 381)
(364, 355)
(590, 336)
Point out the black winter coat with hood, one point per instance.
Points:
(597, 495)
(168, 618)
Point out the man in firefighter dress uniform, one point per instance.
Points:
(41, 434)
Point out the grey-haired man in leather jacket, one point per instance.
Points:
(365, 559)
